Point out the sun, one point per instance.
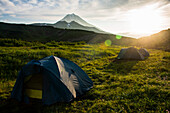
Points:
(145, 20)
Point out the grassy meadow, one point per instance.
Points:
(119, 85)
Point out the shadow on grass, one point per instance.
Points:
(35, 106)
(121, 66)
(13, 106)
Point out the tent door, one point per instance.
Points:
(33, 86)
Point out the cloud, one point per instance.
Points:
(33, 2)
(104, 13)
(87, 8)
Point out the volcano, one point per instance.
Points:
(73, 21)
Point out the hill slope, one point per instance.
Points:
(42, 33)
(158, 40)
(47, 33)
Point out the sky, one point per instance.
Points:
(134, 18)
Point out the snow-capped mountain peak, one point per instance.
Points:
(72, 17)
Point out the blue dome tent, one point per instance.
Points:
(130, 54)
(51, 79)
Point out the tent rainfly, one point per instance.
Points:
(144, 52)
(51, 79)
(130, 54)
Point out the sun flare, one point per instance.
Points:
(145, 20)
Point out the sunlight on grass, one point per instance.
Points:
(119, 86)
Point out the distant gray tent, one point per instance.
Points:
(130, 54)
(51, 79)
(144, 52)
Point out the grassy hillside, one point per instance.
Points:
(119, 86)
(159, 40)
(45, 34)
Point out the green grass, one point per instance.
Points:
(119, 86)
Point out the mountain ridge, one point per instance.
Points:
(49, 33)
(71, 20)
(75, 25)
(159, 40)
